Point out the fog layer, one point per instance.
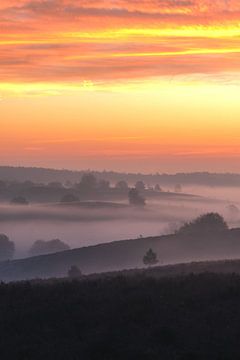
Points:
(83, 226)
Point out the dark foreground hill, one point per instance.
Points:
(126, 254)
(122, 318)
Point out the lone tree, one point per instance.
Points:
(7, 248)
(135, 198)
(74, 272)
(211, 222)
(150, 258)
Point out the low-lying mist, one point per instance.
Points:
(83, 226)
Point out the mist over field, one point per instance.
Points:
(80, 226)
(227, 193)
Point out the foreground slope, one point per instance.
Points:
(126, 254)
(195, 317)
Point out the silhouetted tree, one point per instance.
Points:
(140, 186)
(150, 258)
(7, 248)
(88, 183)
(210, 222)
(135, 198)
(69, 198)
(19, 200)
(104, 185)
(41, 247)
(74, 272)
(121, 185)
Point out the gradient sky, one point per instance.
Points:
(150, 85)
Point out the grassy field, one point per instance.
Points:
(122, 317)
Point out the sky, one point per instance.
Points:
(148, 86)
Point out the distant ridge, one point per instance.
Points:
(47, 175)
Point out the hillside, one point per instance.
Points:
(175, 270)
(126, 254)
(195, 317)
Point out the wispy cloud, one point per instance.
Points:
(96, 41)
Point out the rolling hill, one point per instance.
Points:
(126, 254)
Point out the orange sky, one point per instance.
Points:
(148, 85)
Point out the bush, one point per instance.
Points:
(211, 222)
(41, 247)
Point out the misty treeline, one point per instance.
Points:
(195, 317)
(89, 187)
(45, 176)
(204, 224)
(39, 247)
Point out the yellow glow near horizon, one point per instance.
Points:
(109, 84)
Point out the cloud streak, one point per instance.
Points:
(101, 41)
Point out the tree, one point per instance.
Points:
(211, 222)
(140, 186)
(121, 185)
(74, 272)
(19, 200)
(88, 183)
(135, 198)
(104, 185)
(7, 248)
(150, 258)
(41, 247)
(69, 198)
